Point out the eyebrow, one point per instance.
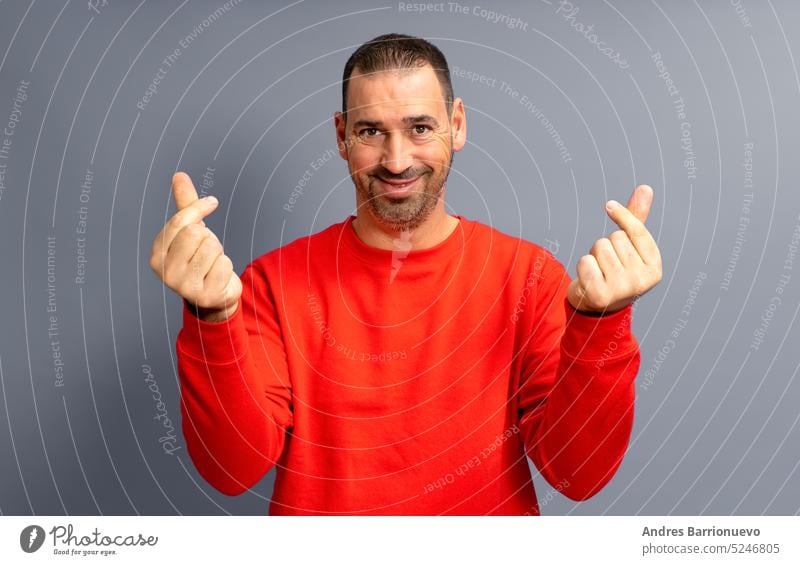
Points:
(407, 120)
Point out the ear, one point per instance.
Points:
(458, 123)
(340, 125)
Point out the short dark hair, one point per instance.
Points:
(398, 51)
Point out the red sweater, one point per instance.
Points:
(396, 382)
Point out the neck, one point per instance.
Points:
(435, 229)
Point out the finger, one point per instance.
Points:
(639, 235)
(205, 256)
(183, 190)
(192, 214)
(187, 243)
(180, 253)
(219, 277)
(640, 202)
(590, 277)
(625, 250)
(164, 239)
(213, 236)
(233, 290)
(606, 257)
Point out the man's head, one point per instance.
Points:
(399, 123)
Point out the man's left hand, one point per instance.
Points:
(622, 266)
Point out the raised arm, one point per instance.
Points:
(235, 388)
(576, 395)
(577, 392)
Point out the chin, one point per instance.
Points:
(405, 223)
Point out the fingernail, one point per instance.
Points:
(212, 200)
(612, 205)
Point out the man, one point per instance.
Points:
(405, 361)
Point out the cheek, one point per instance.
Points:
(436, 153)
(440, 145)
(362, 160)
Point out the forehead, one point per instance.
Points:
(395, 91)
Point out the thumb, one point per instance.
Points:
(183, 190)
(640, 202)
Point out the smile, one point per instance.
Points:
(395, 188)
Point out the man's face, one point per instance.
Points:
(398, 142)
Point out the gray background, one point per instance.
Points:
(252, 97)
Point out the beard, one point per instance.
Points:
(407, 213)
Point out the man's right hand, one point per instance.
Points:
(189, 258)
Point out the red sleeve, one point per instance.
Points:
(235, 389)
(576, 389)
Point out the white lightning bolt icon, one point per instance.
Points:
(402, 246)
(34, 535)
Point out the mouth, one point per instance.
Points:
(398, 188)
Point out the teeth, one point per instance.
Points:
(401, 185)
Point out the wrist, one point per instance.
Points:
(212, 314)
(611, 309)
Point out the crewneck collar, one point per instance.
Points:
(452, 244)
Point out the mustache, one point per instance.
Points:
(408, 174)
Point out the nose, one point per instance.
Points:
(396, 155)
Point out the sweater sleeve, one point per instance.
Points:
(577, 391)
(235, 389)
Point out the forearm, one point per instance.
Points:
(584, 426)
(232, 439)
(234, 418)
(579, 434)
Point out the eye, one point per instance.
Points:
(368, 132)
(421, 129)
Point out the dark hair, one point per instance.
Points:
(398, 51)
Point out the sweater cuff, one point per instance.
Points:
(591, 337)
(213, 342)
